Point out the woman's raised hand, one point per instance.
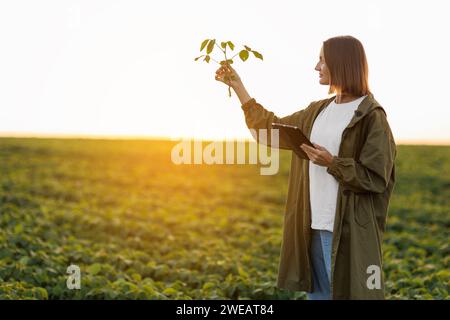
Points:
(228, 75)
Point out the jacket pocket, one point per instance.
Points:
(363, 209)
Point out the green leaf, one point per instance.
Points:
(41, 293)
(24, 260)
(208, 285)
(242, 272)
(94, 268)
(136, 277)
(258, 55)
(203, 44)
(207, 58)
(243, 54)
(247, 48)
(223, 44)
(225, 62)
(18, 228)
(210, 46)
(199, 57)
(231, 45)
(169, 291)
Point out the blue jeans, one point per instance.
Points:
(320, 254)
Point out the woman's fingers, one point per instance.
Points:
(308, 148)
(317, 146)
(227, 75)
(219, 73)
(224, 71)
(310, 152)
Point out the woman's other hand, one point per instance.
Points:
(318, 155)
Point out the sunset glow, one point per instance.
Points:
(115, 69)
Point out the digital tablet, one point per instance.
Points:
(294, 136)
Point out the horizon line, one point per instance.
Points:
(443, 142)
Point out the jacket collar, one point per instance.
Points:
(365, 107)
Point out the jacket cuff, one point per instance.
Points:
(248, 104)
(333, 168)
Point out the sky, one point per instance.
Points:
(126, 68)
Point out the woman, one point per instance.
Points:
(337, 202)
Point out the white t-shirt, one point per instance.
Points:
(323, 187)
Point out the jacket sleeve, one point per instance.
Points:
(372, 171)
(257, 117)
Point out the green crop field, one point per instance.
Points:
(141, 227)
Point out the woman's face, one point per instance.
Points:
(324, 74)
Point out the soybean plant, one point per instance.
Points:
(210, 44)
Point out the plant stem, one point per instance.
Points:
(220, 47)
(226, 62)
(214, 60)
(234, 56)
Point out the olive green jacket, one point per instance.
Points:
(365, 171)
